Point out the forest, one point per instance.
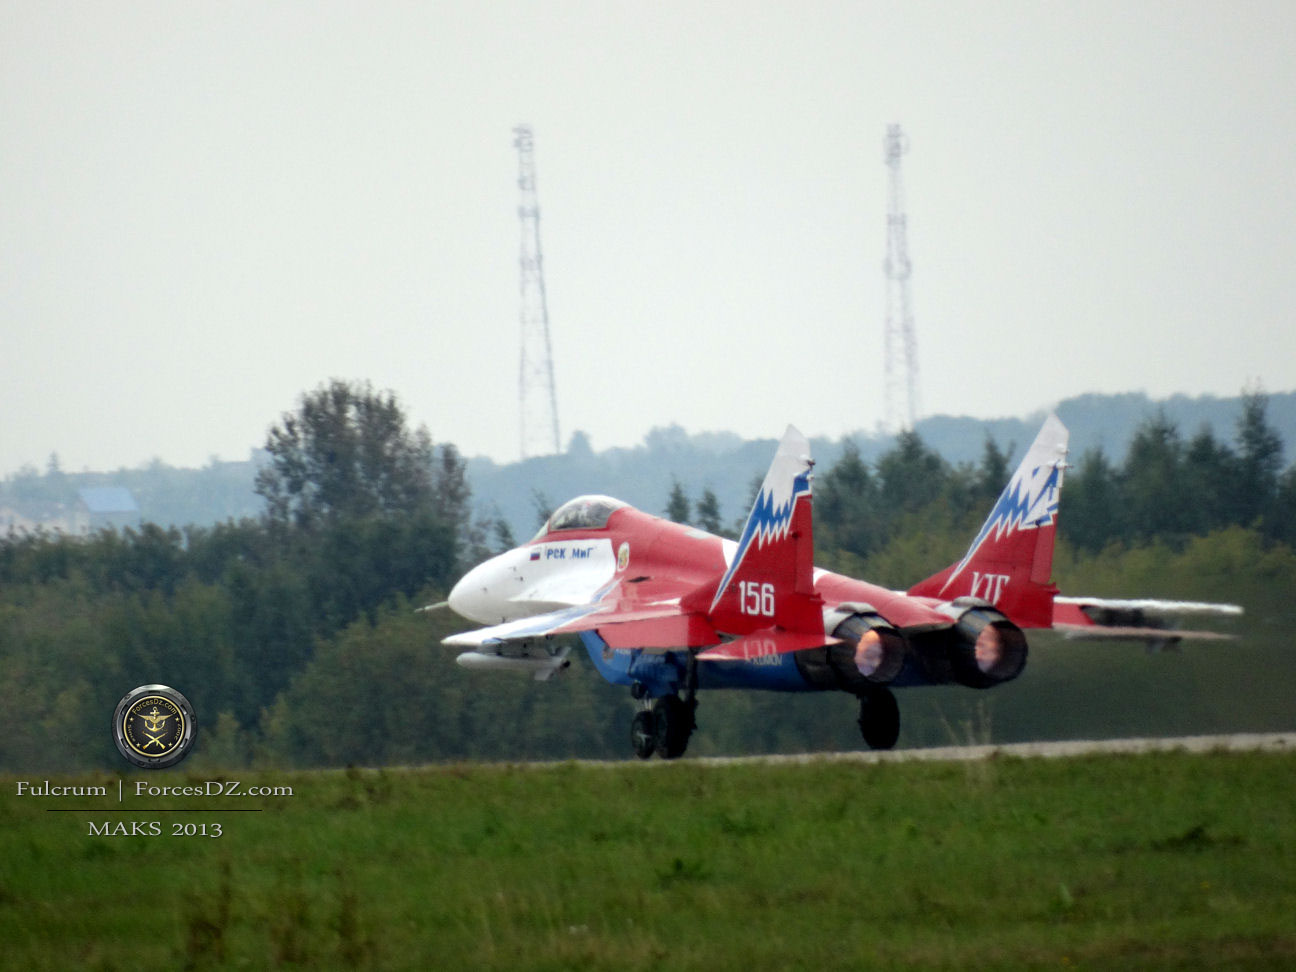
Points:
(296, 637)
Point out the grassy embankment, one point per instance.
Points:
(1158, 860)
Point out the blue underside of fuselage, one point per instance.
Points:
(662, 673)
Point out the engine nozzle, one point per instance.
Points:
(988, 649)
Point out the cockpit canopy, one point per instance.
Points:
(582, 513)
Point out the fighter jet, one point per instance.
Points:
(669, 610)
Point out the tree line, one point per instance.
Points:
(1167, 489)
(296, 638)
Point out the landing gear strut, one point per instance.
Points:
(879, 717)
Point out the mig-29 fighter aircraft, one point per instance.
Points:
(669, 610)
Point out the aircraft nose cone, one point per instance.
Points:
(472, 596)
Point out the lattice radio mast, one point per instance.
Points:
(901, 346)
(537, 401)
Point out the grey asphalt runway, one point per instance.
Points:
(1273, 742)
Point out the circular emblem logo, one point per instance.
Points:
(154, 726)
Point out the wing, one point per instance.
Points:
(1136, 619)
(658, 626)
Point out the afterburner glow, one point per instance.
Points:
(989, 649)
(869, 653)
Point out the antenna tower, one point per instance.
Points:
(537, 401)
(901, 346)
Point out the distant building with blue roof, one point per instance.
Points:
(101, 507)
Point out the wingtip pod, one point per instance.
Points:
(1010, 562)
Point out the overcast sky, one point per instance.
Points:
(209, 208)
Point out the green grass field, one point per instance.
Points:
(1162, 860)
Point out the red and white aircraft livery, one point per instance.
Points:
(669, 610)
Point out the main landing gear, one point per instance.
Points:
(664, 728)
(879, 717)
(664, 725)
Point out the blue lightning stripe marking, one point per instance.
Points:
(1013, 511)
(768, 521)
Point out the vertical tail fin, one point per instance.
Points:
(1010, 562)
(770, 580)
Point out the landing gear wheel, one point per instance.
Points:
(879, 718)
(674, 726)
(643, 733)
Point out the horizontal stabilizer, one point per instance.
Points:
(1152, 607)
(1098, 632)
(762, 644)
(1136, 619)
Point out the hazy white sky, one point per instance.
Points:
(209, 208)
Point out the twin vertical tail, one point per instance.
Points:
(1010, 563)
(770, 581)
